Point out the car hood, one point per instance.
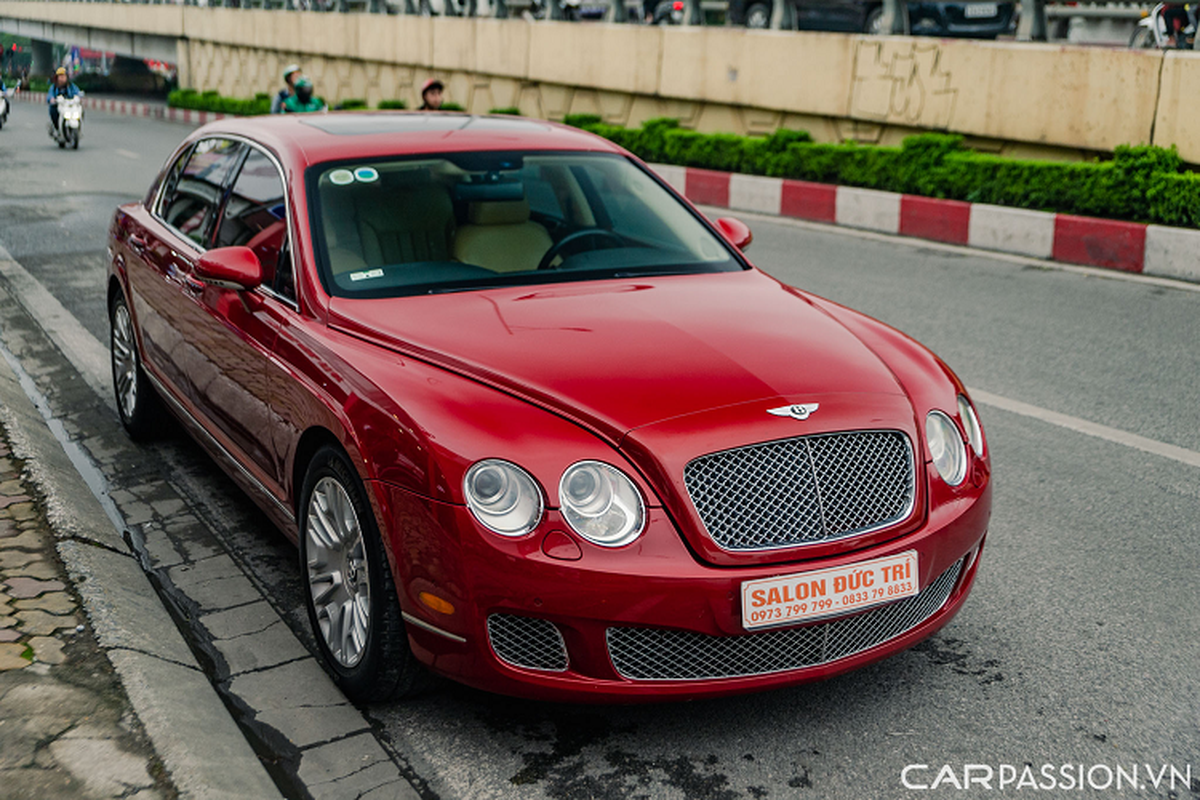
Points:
(617, 355)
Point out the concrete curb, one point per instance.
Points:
(133, 108)
(189, 726)
(1110, 244)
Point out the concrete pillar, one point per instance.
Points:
(183, 64)
(895, 18)
(1032, 25)
(43, 58)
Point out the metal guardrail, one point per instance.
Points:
(1034, 13)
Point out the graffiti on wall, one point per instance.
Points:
(902, 81)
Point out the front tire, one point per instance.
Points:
(1142, 39)
(137, 402)
(758, 16)
(351, 597)
(874, 24)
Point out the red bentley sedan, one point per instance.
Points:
(535, 423)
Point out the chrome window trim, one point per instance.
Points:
(164, 393)
(156, 211)
(901, 519)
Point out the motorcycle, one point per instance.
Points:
(4, 107)
(70, 122)
(1167, 26)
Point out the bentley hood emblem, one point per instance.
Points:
(795, 411)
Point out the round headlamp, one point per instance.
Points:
(971, 423)
(601, 504)
(946, 447)
(503, 497)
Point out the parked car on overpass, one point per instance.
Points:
(983, 20)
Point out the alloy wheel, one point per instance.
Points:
(338, 574)
(125, 366)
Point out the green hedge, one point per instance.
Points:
(353, 104)
(213, 101)
(511, 111)
(1142, 184)
(385, 105)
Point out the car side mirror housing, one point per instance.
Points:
(230, 268)
(737, 232)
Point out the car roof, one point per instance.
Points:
(305, 139)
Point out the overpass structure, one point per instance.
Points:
(1017, 98)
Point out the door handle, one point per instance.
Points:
(137, 243)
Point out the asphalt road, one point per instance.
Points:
(1079, 645)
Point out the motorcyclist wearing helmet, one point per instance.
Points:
(290, 73)
(61, 87)
(303, 100)
(432, 95)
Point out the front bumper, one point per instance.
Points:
(632, 624)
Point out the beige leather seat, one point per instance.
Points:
(394, 224)
(501, 237)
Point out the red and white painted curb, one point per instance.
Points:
(132, 108)
(1129, 246)
(1110, 244)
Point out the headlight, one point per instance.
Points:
(971, 423)
(503, 497)
(601, 504)
(946, 447)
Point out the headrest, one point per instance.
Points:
(507, 212)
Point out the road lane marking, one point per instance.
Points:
(90, 358)
(909, 241)
(127, 153)
(1114, 435)
(82, 349)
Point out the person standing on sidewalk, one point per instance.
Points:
(290, 73)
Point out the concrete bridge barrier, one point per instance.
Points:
(1018, 99)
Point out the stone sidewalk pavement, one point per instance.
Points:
(67, 729)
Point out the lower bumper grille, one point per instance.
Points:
(527, 642)
(655, 654)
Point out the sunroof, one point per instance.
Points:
(366, 124)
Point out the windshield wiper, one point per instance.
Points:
(656, 273)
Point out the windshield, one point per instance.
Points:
(465, 221)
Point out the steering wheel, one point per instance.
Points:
(560, 245)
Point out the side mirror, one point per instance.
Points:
(230, 268)
(737, 232)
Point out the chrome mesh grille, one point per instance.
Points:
(655, 654)
(527, 642)
(803, 490)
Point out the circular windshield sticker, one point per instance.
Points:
(341, 177)
(366, 174)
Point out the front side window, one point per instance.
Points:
(458, 222)
(190, 204)
(255, 216)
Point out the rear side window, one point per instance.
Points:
(255, 216)
(190, 204)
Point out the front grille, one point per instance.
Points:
(527, 642)
(804, 490)
(655, 654)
